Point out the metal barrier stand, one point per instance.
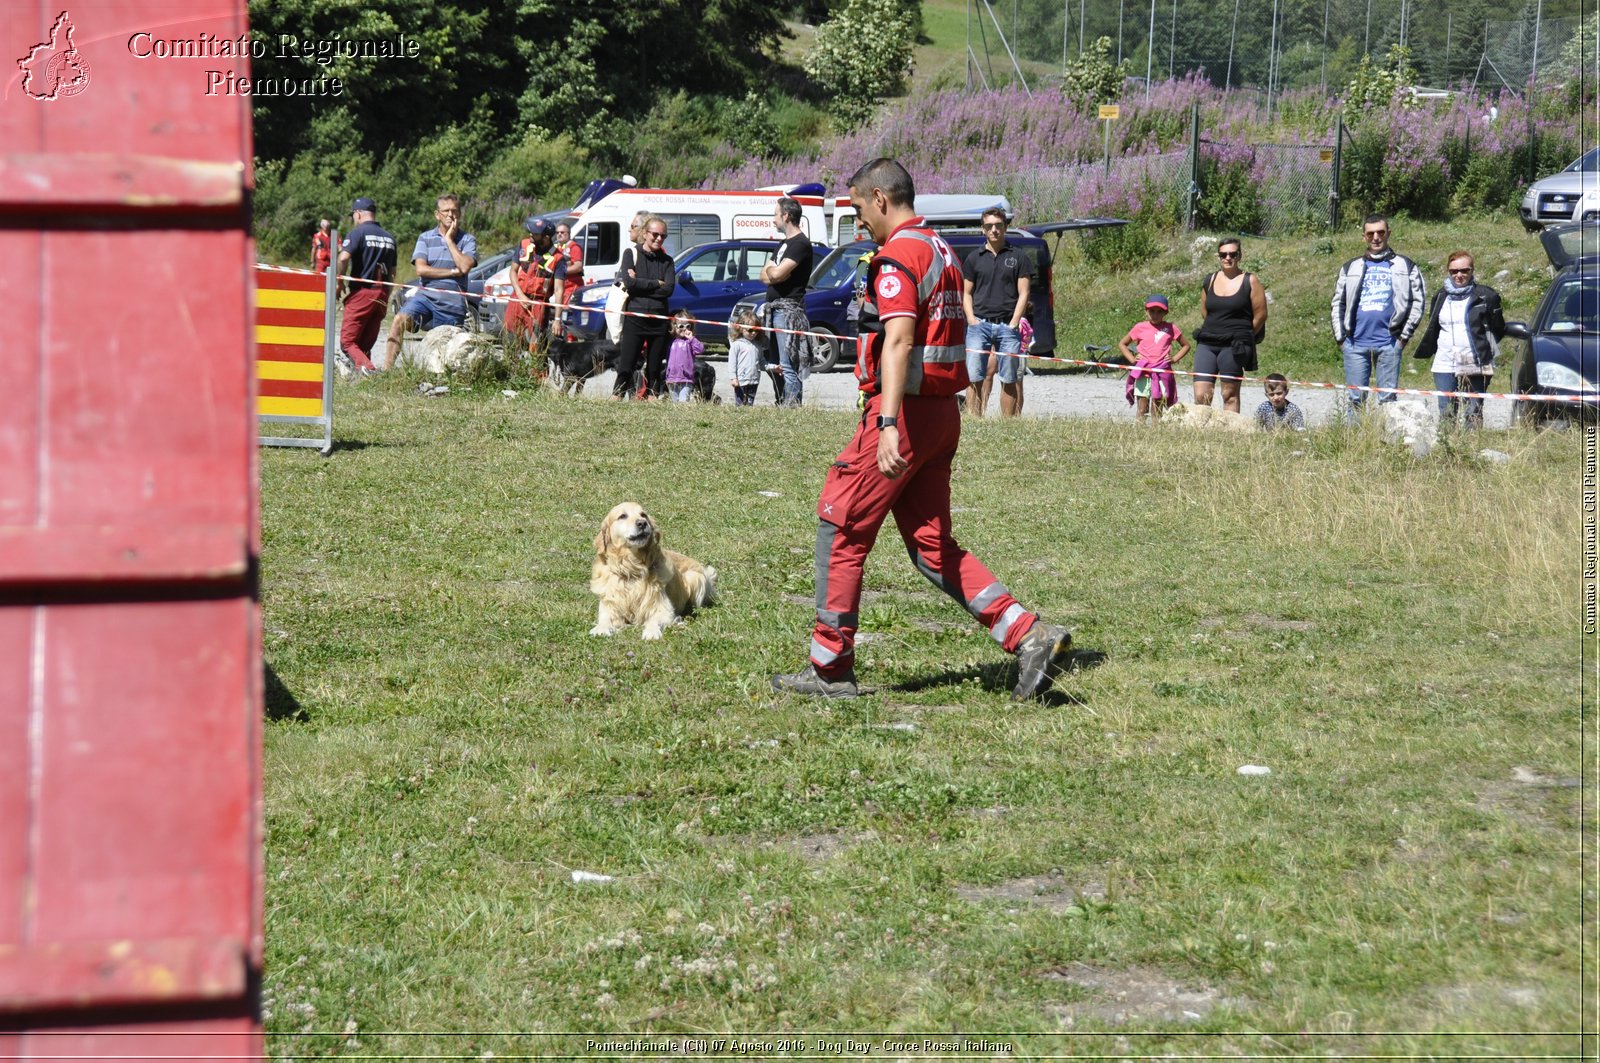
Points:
(280, 330)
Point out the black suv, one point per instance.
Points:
(837, 279)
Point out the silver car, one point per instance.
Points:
(1568, 196)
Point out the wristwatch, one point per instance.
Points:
(887, 422)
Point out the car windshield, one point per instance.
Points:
(839, 268)
(1588, 162)
(1575, 306)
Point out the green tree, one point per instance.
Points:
(1379, 84)
(862, 55)
(1579, 61)
(537, 65)
(1092, 78)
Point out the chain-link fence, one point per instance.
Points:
(1263, 188)
(1271, 45)
(1522, 50)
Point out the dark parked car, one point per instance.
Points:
(712, 277)
(1560, 352)
(836, 279)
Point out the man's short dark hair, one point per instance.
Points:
(992, 212)
(1375, 219)
(888, 177)
(791, 210)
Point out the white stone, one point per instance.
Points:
(1254, 769)
(1210, 418)
(448, 349)
(1496, 457)
(1411, 423)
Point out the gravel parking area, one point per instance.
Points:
(1074, 395)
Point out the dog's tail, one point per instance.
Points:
(702, 588)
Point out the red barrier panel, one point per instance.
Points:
(294, 353)
(130, 654)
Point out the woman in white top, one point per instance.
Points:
(1465, 327)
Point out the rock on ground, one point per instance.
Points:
(1212, 418)
(448, 349)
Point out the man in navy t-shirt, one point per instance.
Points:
(367, 254)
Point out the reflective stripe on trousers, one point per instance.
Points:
(855, 501)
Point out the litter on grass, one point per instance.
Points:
(770, 494)
(591, 876)
(1254, 769)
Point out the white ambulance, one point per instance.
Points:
(941, 210)
(693, 216)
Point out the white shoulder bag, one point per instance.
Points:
(617, 299)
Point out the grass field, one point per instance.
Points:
(1396, 639)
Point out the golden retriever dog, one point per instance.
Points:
(640, 582)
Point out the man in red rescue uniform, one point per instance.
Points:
(911, 363)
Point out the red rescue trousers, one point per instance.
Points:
(855, 500)
(363, 320)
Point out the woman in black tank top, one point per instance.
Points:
(1225, 342)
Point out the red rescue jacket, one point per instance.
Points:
(915, 274)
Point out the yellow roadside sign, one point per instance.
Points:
(1110, 112)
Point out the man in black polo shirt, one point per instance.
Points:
(786, 276)
(368, 253)
(995, 296)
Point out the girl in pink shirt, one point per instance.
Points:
(1151, 377)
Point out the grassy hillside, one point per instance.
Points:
(941, 60)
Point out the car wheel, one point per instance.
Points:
(1529, 414)
(1524, 382)
(828, 350)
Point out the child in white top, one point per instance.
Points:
(744, 358)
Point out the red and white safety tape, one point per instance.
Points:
(1084, 362)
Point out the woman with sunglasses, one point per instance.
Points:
(648, 275)
(1465, 326)
(1233, 316)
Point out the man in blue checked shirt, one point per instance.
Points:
(443, 256)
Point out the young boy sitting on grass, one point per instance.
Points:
(1277, 411)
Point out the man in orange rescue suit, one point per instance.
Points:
(911, 363)
(540, 281)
